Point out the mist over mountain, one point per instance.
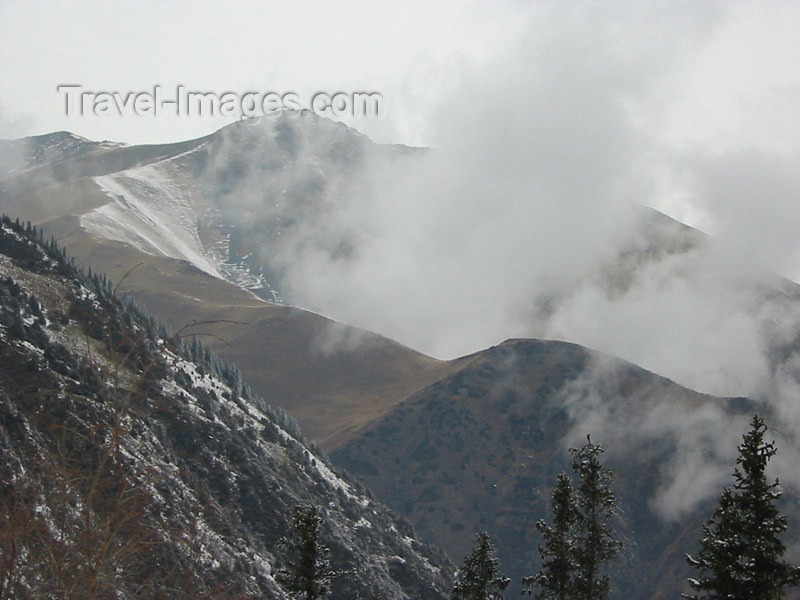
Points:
(409, 243)
(236, 227)
(415, 245)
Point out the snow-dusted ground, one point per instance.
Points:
(155, 210)
(207, 463)
(151, 213)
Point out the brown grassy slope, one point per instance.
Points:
(55, 201)
(289, 356)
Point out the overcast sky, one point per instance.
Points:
(744, 58)
(408, 51)
(715, 86)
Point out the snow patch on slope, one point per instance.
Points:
(152, 214)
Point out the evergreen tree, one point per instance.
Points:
(595, 543)
(479, 578)
(741, 552)
(305, 573)
(555, 580)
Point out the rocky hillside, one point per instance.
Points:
(135, 465)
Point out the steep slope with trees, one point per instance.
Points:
(130, 468)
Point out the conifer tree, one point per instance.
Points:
(479, 578)
(741, 554)
(305, 573)
(595, 543)
(555, 580)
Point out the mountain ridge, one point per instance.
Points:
(479, 450)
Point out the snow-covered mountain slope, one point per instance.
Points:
(224, 203)
(151, 213)
(129, 468)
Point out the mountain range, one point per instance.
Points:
(203, 234)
